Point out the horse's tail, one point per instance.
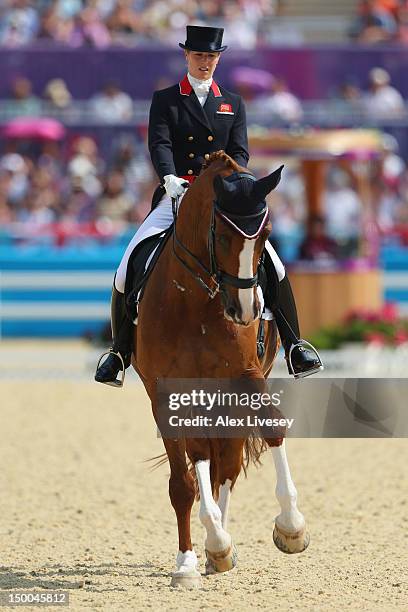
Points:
(253, 449)
(159, 461)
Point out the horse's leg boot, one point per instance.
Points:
(301, 357)
(120, 354)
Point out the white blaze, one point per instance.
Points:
(246, 270)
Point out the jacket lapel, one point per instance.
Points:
(210, 107)
(205, 115)
(194, 107)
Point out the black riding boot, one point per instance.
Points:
(301, 357)
(121, 352)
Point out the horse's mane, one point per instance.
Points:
(225, 162)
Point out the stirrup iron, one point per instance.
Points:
(318, 368)
(119, 381)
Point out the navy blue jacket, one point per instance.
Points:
(182, 133)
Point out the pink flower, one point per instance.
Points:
(389, 312)
(376, 338)
(400, 337)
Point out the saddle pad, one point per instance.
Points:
(140, 265)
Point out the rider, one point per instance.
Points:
(187, 122)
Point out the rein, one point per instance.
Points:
(217, 277)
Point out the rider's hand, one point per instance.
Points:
(174, 185)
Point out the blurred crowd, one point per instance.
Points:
(81, 188)
(101, 23)
(80, 182)
(361, 206)
(268, 99)
(52, 189)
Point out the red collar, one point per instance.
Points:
(186, 89)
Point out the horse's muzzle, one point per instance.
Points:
(244, 311)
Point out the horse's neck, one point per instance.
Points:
(193, 224)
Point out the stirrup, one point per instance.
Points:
(318, 368)
(119, 381)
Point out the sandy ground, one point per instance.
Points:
(80, 510)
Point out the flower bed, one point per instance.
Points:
(384, 328)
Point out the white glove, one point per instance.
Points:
(174, 185)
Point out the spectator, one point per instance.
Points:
(15, 173)
(93, 29)
(383, 100)
(77, 204)
(39, 208)
(376, 23)
(350, 92)
(280, 103)
(112, 105)
(124, 20)
(242, 31)
(343, 211)
(317, 245)
(22, 102)
(66, 9)
(115, 203)
(57, 94)
(105, 7)
(19, 25)
(85, 167)
(134, 166)
(140, 180)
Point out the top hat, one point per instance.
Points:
(200, 38)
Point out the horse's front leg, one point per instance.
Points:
(290, 534)
(219, 548)
(182, 494)
(224, 497)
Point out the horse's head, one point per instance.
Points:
(240, 226)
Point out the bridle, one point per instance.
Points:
(218, 278)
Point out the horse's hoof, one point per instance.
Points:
(186, 580)
(291, 543)
(222, 561)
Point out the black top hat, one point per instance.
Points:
(200, 38)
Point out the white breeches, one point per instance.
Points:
(159, 220)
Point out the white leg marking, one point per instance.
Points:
(187, 561)
(210, 514)
(224, 500)
(290, 518)
(246, 270)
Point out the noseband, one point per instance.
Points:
(218, 277)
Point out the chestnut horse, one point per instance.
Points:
(189, 329)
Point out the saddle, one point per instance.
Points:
(140, 266)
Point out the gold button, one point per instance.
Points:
(191, 155)
(210, 138)
(191, 138)
(207, 156)
(190, 172)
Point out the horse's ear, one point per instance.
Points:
(223, 189)
(265, 185)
